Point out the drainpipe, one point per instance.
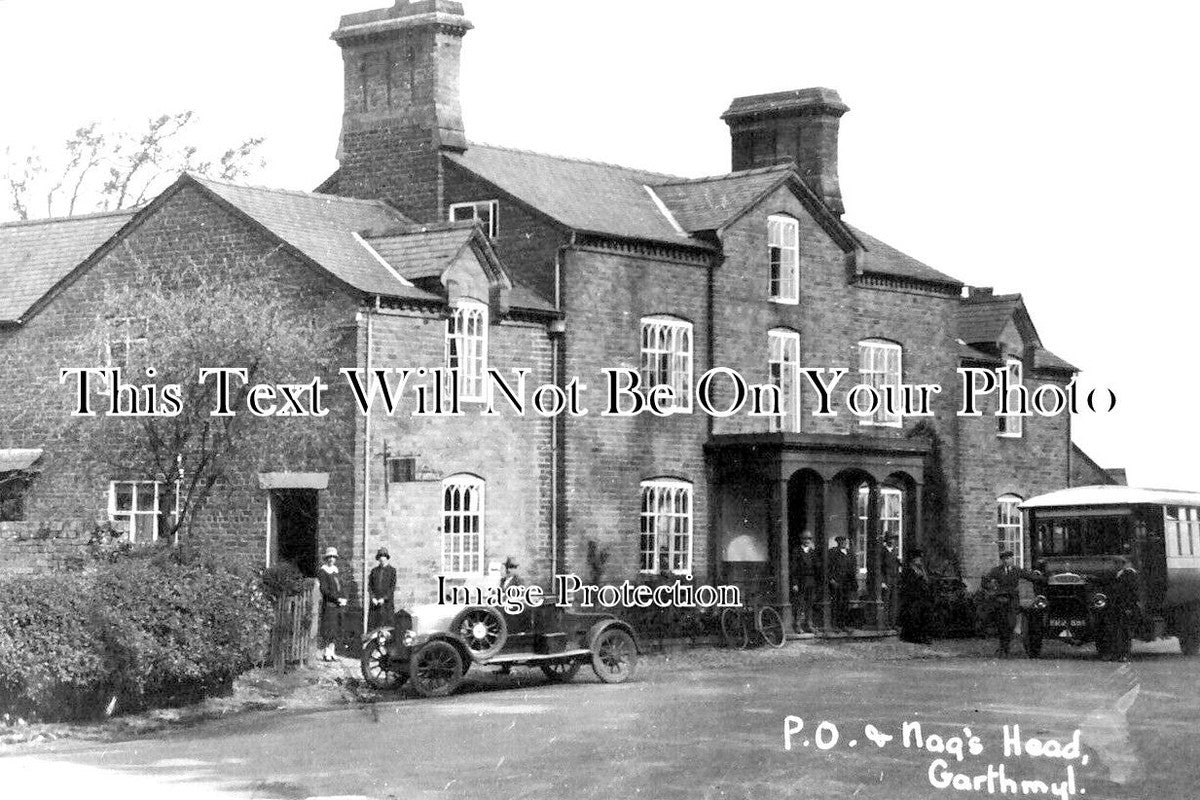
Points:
(557, 330)
(366, 484)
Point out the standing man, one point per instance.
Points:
(333, 600)
(511, 577)
(843, 583)
(890, 579)
(805, 571)
(381, 584)
(1004, 581)
(916, 605)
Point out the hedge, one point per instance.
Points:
(150, 628)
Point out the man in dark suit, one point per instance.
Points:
(890, 579)
(381, 583)
(843, 582)
(1004, 584)
(805, 572)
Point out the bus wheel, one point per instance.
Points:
(1189, 631)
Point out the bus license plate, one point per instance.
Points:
(1060, 622)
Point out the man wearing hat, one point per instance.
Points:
(890, 576)
(916, 606)
(333, 600)
(805, 572)
(843, 582)
(381, 584)
(1004, 583)
(510, 577)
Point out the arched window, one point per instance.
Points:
(785, 373)
(879, 367)
(466, 347)
(667, 357)
(891, 520)
(1010, 533)
(666, 526)
(1011, 425)
(783, 254)
(462, 525)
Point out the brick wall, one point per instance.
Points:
(38, 547)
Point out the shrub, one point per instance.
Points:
(150, 627)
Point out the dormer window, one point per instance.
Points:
(1011, 425)
(466, 347)
(485, 212)
(783, 253)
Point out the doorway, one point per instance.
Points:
(294, 514)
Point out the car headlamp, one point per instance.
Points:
(1099, 600)
(408, 638)
(1040, 602)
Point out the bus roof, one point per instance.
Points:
(1111, 496)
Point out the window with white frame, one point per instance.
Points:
(466, 347)
(125, 341)
(879, 367)
(485, 212)
(1181, 526)
(667, 358)
(666, 526)
(891, 521)
(144, 509)
(1010, 534)
(1011, 425)
(785, 373)
(462, 525)
(783, 251)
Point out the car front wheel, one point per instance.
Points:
(436, 669)
(379, 669)
(614, 656)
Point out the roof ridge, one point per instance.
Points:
(994, 298)
(574, 159)
(427, 227)
(120, 212)
(787, 166)
(293, 192)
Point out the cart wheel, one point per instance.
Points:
(734, 631)
(482, 629)
(770, 626)
(614, 656)
(436, 669)
(379, 670)
(561, 671)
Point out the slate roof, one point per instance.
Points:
(323, 228)
(1044, 359)
(706, 204)
(983, 319)
(424, 252)
(36, 255)
(586, 196)
(882, 258)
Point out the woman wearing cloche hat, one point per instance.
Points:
(333, 600)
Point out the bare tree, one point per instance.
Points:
(203, 314)
(104, 170)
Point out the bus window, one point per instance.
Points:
(1106, 536)
(1059, 538)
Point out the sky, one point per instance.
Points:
(1047, 148)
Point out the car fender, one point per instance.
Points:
(442, 636)
(613, 622)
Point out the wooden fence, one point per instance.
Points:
(295, 629)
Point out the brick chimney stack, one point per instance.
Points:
(402, 105)
(801, 126)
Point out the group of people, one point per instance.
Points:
(905, 593)
(381, 591)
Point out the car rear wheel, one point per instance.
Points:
(614, 655)
(379, 670)
(482, 629)
(436, 669)
(770, 626)
(561, 671)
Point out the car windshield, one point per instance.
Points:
(1079, 536)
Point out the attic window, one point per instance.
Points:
(1011, 425)
(783, 250)
(485, 212)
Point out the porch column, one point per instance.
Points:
(918, 521)
(779, 534)
(823, 532)
(874, 553)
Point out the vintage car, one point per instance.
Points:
(1119, 563)
(446, 640)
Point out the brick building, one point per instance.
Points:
(437, 251)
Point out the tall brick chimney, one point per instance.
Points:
(401, 102)
(800, 125)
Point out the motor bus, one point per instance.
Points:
(1114, 556)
